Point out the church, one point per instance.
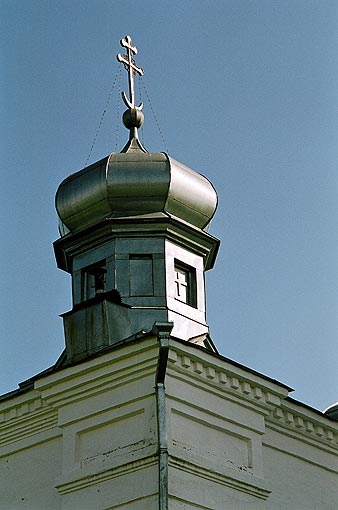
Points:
(141, 411)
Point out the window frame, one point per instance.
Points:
(191, 284)
(89, 280)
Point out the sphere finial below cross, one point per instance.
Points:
(133, 118)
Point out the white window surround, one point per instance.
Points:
(185, 283)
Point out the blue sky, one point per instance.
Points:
(245, 92)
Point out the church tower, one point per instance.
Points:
(135, 240)
(141, 412)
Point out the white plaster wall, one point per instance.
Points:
(27, 477)
(236, 443)
(86, 438)
(300, 476)
(215, 439)
(135, 490)
(103, 412)
(196, 493)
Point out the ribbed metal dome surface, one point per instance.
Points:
(135, 183)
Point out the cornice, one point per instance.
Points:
(240, 481)
(26, 419)
(304, 424)
(104, 475)
(128, 363)
(19, 404)
(180, 502)
(169, 227)
(215, 374)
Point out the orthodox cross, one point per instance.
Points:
(131, 67)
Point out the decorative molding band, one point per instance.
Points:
(91, 388)
(19, 406)
(234, 481)
(279, 411)
(184, 502)
(91, 479)
(28, 425)
(144, 500)
(226, 379)
(313, 428)
(83, 381)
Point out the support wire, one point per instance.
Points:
(153, 113)
(103, 114)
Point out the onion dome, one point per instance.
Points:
(332, 411)
(134, 182)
